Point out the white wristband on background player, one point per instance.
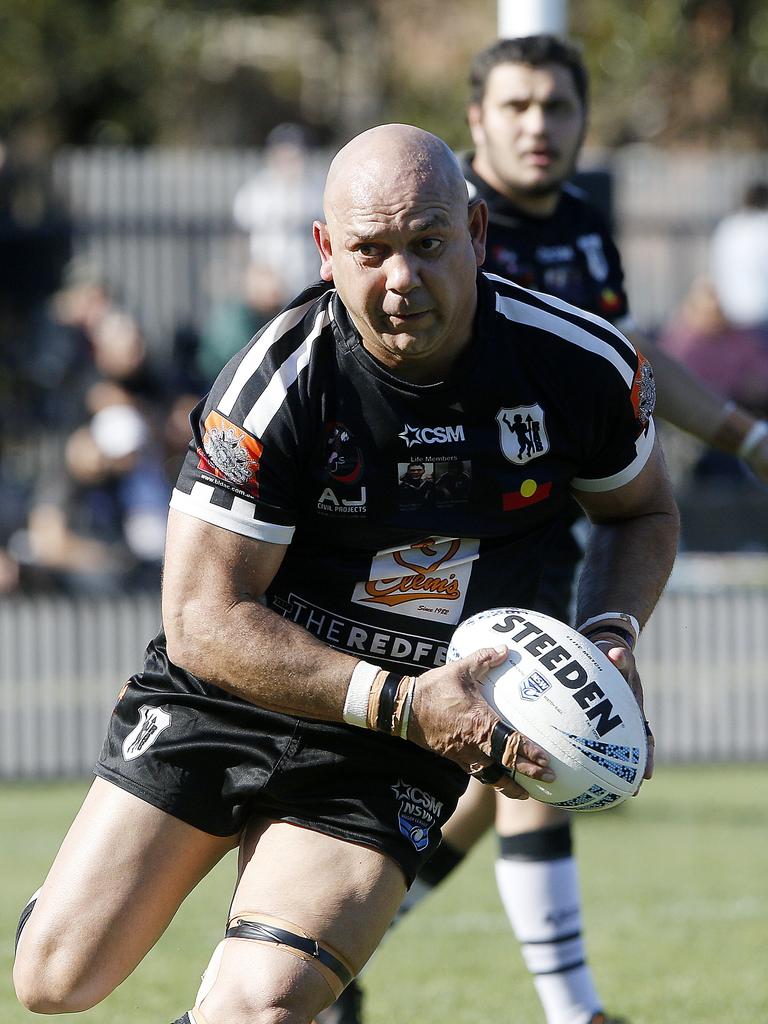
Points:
(358, 694)
(756, 434)
(607, 617)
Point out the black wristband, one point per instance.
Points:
(625, 634)
(387, 699)
(490, 774)
(499, 739)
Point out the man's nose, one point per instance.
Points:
(402, 273)
(535, 119)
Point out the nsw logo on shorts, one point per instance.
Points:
(417, 813)
(152, 721)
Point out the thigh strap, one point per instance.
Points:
(263, 928)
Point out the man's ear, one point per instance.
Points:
(475, 122)
(478, 227)
(322, 239)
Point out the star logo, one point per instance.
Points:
(410, 435)
(401, 790)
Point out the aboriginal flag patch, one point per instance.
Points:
(230, 452)
(529, 493)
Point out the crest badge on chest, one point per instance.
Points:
(522, 433)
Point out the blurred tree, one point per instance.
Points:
(689, 72)
(190, 72)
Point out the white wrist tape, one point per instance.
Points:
(754, 436)
(358, 694)
(624, 617)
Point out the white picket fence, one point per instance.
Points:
(703, 658)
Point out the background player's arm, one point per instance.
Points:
(629, 556)
(632, 543)
(683, 400)
(218, 629)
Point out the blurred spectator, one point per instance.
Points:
(732, 359)
(176, 435)
(232, 323)
(739, 260)
(34, 226)
(277, 207)
(98, 525)
(55, 361)
(120, 360)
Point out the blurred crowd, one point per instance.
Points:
(94, 427)
(720, 331)
(95, 422)
(96, 432)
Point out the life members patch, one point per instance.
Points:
(643, 391)
(230, 452)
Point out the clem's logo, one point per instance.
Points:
(427, 579)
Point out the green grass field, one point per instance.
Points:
(675, 891)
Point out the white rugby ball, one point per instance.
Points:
(560, 690)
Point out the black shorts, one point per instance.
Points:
(213, 760)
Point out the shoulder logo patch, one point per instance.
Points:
(643, 391)
(231, 452)
(522, 433)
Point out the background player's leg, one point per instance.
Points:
(472, 818)
(118, 879)
(340, 894)
(474, 815)
(538, 883)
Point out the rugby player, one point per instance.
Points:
(528, 115)
(297, 702)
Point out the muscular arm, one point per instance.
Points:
(217, 629)
(631, 545)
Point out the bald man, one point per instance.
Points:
(297, 702)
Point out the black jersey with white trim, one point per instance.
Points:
(569, 253)
(408, 507)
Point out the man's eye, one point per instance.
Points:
(430, 244)
(368, 250)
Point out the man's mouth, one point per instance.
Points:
(407, 317)
(540, 157)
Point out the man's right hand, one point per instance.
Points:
(451, 717)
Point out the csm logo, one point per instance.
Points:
(431, 435)
(534, 686)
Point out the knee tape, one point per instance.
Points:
(335, 970)
(30, 906)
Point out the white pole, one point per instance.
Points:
(529, 17)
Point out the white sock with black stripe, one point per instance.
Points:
(541, 898)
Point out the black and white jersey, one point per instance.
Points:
(569, 253)
(408, 507)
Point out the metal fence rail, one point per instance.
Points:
(703, 659)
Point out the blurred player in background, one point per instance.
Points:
(528, 116)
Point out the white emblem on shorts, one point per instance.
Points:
(152, 721)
